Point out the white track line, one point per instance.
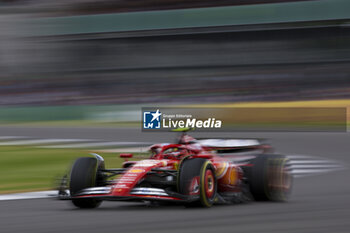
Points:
(310, 171)
(10, 137)
(305, 165)
(125, 150)
(30, 195)
(301, 157)
(310, 161)
(64, 143)
(316, 166)
(96, 144)
(41, 141)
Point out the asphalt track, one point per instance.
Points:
(319, 203)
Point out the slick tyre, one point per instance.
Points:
(84, 175)
(197, 178)
(270, 178)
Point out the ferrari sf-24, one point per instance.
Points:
(191, 172)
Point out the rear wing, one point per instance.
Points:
(233, 145)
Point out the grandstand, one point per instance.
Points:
(72, 54)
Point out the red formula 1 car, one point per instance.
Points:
(198, 172)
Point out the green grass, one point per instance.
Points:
(25, 168)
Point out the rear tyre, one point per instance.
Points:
(197, 177)
(271, 178)
(83, 175)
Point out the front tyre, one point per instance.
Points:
(83, 175)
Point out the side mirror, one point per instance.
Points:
(126, 155)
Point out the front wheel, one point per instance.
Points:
(83, 175)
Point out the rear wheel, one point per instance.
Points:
(271, 178)
(83, 175)
(197, 177)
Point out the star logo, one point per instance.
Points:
(156, 115)
(151, 120)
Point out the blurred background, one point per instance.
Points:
(74, 75)
(96, 59)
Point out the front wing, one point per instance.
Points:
(136, 194)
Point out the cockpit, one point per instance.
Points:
(169, 152)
